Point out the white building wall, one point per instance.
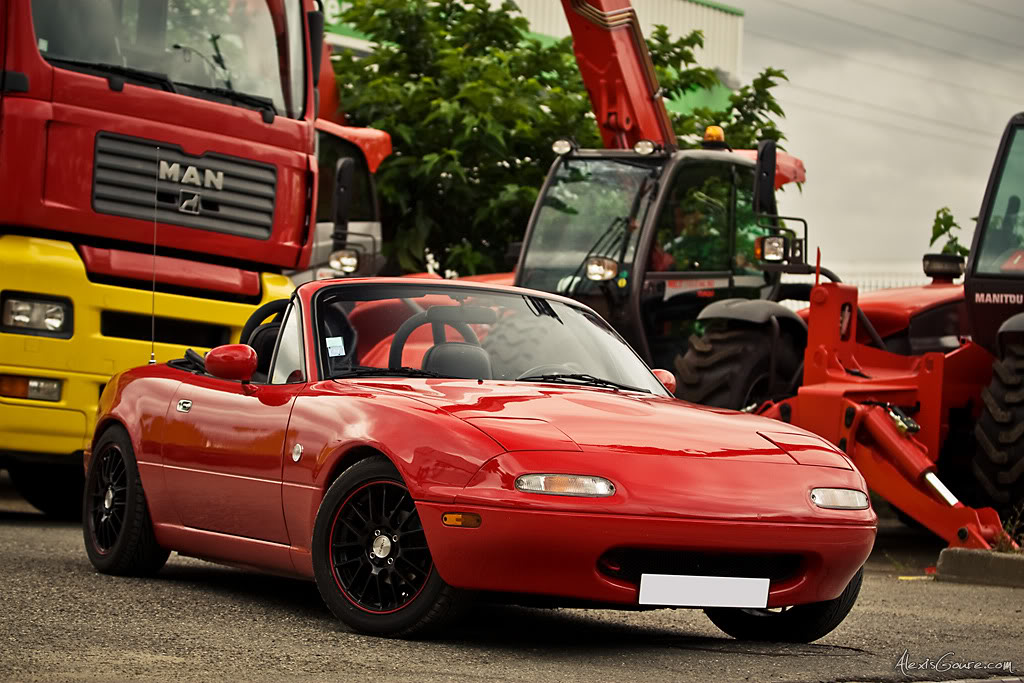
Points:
(723, 31)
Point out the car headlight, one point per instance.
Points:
(22, 312)
(566, 485)
(839, 499)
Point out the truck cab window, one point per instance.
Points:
(216, 49)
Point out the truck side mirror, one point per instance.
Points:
(764, 179)
(343, 180)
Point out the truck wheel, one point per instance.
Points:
(511, 355)
(998, 463)
(797, 624)
(118, 532)
(53, 489)
(370, 556)
(729, 368)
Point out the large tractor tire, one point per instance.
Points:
(730, 368)
(999, 459)
(510, 353)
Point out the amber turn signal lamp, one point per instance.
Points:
(468, 520)
(13, 386)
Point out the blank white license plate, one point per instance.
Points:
(702, 591)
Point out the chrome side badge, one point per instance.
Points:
(184, 405)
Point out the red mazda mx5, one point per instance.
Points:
(413, 444)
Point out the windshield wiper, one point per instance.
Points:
(582, 378)
(116, 69)
(260, 103)
(366, 371)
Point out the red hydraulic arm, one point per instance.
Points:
(618, 73)
(851, 395)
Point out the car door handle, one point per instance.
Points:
(184, 405)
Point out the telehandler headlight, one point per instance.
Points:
(562, 146)
(645, 147)
(345, 260)
(601, 269)
(770, 249)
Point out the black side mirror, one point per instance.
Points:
(315, 21)
(764, 179)
(343, 180)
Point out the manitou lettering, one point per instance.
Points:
(191, 176)
(998, 298)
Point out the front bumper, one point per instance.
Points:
(558, 554)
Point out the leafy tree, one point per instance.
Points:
(472, 104)
(943, 226)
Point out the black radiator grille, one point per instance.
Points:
(630, 563)
(209, 192)
(168, 330)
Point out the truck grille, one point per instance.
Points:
(165, 330)
(630, 563)
(208, 192)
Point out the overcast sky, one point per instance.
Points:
(896, 108)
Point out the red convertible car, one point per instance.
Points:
(413, 444)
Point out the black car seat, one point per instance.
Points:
(262, 336)
(458, 359)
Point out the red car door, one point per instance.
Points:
(225, 446)
(223, 456)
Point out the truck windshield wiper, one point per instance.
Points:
(116, 69)
(366, 371)
(582, 378)
(260, 103)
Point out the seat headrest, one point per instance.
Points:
(458, 359)
(262, 340)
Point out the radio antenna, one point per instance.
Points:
(152, 301)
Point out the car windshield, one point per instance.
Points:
(591, 207)
(422, 329)
(217, 49)
(1002, 246)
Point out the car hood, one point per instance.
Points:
(524, 416)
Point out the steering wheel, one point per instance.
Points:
(417, 320)
(259, 315)
(546, 369)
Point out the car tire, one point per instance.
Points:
(998, 462)
(797, 624)
(386, 587)
(53, 489)
(730, 368)
(118, 532)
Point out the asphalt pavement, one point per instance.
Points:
(196, 621)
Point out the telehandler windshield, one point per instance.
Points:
(1002, 246)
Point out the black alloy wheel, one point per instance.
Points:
(379, 555)
(108, 498)
(371, 560)
(116, 526)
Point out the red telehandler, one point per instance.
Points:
(923, 387)
(643, 232)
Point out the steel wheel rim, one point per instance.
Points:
(108, 498)
(378, 551)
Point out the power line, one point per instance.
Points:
(889, 125)
(867, 62)
(964, 129)
(993, 10)
(947, 27)
(877, 31)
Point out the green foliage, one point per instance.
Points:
(943, 227)
(473, 105)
